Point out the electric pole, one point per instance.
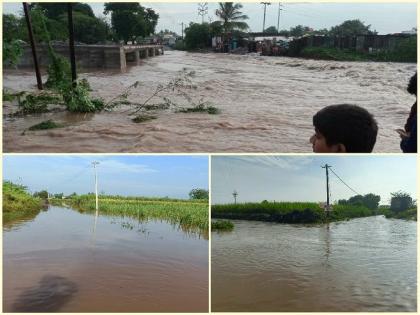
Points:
(71, 43)
(265, 7)
(235, 194)
(94, 163)
(202, 10)
(33, 46)
(182, 30)
(278, 18)
(326, 166)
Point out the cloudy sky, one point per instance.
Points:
(160, 176)
(383, 17)
(301, 178)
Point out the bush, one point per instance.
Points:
(401, 201)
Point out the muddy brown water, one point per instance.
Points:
(58, 262)
(266, 104)
(366, 264)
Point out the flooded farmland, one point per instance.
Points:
(66, 261)
(266, 105)
(367, 264)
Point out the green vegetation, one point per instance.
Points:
(189, 215)
(222, 225)
(288, 212)
(18, 204)
(402, 207)
(47, 124)
(200, 108)
(199, 194)
(130, 20)
(406, 51)
(143, 118)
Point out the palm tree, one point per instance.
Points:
(231, 16)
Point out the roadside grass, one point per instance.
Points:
(222, 225)
(18, 204)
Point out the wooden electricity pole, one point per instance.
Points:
(31, 39)
(265, 7)
(71, 43)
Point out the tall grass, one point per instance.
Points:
(18, 204)
(189, 215)
(288, 212)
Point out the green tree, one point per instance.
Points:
(271, 30)
(43, 194)
(197, 35)
(199, 193)
(401, 201)
(130, 20)
(351, 28)
(231, 16)
(59, 196)
(55, 9)
(371, 201)
(300, 30)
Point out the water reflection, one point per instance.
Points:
(49, 295)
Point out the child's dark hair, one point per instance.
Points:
(412, 85)
(350, 125)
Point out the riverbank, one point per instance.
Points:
(188, 214)
(288, 212)
(18, 204)
(409, 214)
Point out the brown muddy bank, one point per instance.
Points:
(266, 105)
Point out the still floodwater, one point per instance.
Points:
(366, 264)
(266, 104)
(59, 263)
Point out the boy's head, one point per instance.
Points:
(412, 85)
(344, 128)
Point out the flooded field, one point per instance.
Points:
(266, 105)
(366, 264)
(66, 261)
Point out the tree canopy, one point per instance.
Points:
(131, 20)
(370, 201)
(199, 193)
(351, 28)
(231, 16)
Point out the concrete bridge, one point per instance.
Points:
(94, 56)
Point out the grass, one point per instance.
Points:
(18, 204)
(200, 108)
(47, 124)
(222, 225)
(189, 215)
(287, 212)
(143, 118)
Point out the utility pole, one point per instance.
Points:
(202, 10)
(235, 194)
(31, 39)
(326, 166)
(278, 18)
(265, 7)
(94, 163)
(182, 30)
(71, 43)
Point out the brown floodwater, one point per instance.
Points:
(266, 104)
(62, 262)
(361, 265)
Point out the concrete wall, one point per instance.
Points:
(91, 56)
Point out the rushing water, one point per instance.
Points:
(266, 104)
(63, 262)
(366, 264)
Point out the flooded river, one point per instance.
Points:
(266, 104)
(366, 264)
(62, 262)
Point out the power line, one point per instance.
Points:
(344, 182)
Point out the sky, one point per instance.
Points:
(150, 176)
(383, 17)
(301, 178)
